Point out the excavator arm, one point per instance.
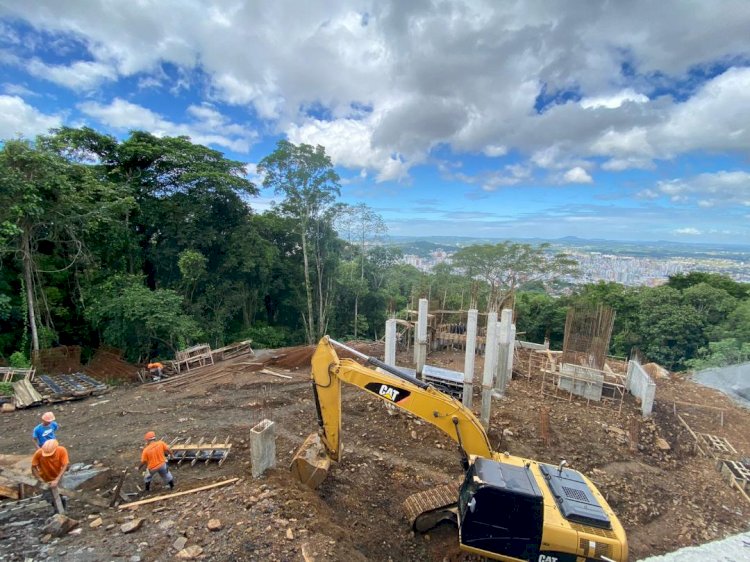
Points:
(390, 385)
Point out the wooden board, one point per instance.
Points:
(178, 494)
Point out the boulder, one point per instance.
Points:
(59, 525)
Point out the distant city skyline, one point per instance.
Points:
(622, 268)
(619, 120)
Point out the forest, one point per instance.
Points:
(151, 244)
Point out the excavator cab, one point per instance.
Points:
(500, 511)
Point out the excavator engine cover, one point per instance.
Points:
(311, 462)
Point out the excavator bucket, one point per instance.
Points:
(311, 462)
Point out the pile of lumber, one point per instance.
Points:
(25, 395)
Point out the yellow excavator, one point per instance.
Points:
(508, 508)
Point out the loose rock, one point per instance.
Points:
(96, 523)
(192, 551)
(180, 543)
(214, 525)
(131, 526)
(59, 525)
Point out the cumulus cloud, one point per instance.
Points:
(613, 101)
(577, 175)
(19, 118)
(719, 189)
(467, 75)
(208, 126)
(349, 143)
(81, 75)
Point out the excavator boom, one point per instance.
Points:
(391, 385)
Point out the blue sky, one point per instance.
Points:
(618, 120)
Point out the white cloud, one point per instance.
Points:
(18, 90)
(19, 118)
(208, 128)
(613, 101)
(81, 75)
(466, 75)
(688, 231)
(724, 188)
(349, 143)
(577, 175)
(494, 150)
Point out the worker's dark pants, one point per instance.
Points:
(162, 470)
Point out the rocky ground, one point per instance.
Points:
(665, 494)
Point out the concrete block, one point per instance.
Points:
(581, 381)
(262, 447)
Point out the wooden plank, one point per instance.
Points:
(11, 492)
(697, 443)
(200, 447)
(116, 493)
(57, 500)
(275, 374)
(743, 492)
(178, 494)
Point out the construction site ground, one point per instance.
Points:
(665, 499)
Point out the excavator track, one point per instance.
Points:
(425, 510)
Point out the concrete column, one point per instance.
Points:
(471, 346)
(262, 447)
(504, 339)
(390, 342)
(490, 361)
(420, 340)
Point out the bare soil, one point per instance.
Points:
(666, 499)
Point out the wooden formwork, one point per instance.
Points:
(529, 362)
(717, 447)
(612, 392)
(183, 450)
(193, 357)
(11, 374)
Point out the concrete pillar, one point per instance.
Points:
(511, 353)
(490, 361)
(471, 346)
(420, 336)
(390, 342)
(504, 339)
(262, 447)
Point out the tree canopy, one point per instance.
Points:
(152, 244)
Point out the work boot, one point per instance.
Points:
(147, 485)
(171, 484)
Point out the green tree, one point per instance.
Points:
(145, 322)
(682, 281)
(360, 227)
(729, 351)
(192, 266)
(670, 331)
(712, 303)
(540, 316)
(506, 266)
(47, 204)
(304, 175)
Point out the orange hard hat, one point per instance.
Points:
(48, 417)
(49, 447)
(149, 436)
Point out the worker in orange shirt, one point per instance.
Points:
(50, 462)
(154, 458)
(155, 369)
